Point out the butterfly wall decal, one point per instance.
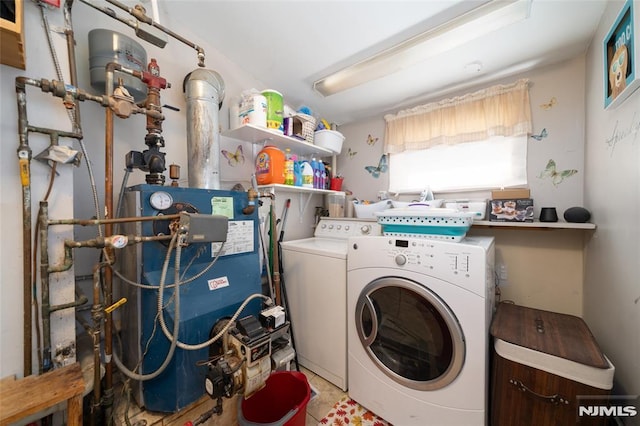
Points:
(382, 167)
(543, 134)
(371, 140)
(234, 158)
(351, 153)
(557, 177)
(549, 104)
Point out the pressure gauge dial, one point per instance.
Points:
(161, 200)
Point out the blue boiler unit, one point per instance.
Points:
(214, 295)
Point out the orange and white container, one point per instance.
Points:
(270, 166)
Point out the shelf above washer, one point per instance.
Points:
(533, 225)
(260, 135)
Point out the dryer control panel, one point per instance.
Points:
(343, 228)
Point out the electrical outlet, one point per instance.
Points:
(502, 272)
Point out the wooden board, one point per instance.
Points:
(21, 398)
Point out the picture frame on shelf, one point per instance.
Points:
(620, 57)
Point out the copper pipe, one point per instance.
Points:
(71, 53)
(108, 231)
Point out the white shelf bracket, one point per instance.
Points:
(303, 204)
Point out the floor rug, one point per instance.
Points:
(348, 412)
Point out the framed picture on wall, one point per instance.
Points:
(621, 55)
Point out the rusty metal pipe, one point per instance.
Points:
(78, 302)
(24, 160)
(90, 222)
(139, 13)
(44, 287)
(97, 316)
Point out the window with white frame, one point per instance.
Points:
(493, 163)
(473, 142)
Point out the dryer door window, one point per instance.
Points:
(410, 333)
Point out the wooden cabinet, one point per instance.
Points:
(11, 34)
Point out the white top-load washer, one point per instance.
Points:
(315, 280)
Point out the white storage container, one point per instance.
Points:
(477, 207)
(364, 210)
(329, 139)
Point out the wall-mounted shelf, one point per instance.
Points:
(260, 135)
(533, 225)
(301, 189)
(302, 192)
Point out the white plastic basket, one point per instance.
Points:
(434, 223)
(426, 203)
(478, 207)
(367, 210)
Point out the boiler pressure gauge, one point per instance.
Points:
(161, 200)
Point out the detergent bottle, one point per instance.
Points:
(297, 171)
(288, 168)
(270, 166)
(307, 175)
(316, 172)
(323, 175)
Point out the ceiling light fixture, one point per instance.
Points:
(482, 20)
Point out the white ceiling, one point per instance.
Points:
(288, 45)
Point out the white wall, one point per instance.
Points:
(612, 190)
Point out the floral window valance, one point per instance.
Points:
(501, 110)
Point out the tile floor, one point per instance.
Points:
(318, 406)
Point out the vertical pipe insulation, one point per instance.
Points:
(204, 92)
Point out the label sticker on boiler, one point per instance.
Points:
(222, 206)
(239, 239)
(217, 283)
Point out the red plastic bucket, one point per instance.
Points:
(283, 401)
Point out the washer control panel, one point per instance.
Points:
(425, 254)
(343, 228)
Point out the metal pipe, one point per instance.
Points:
(90, 222)
(24, 160)
(204, 90)
(108, 231)
(139, 13)
(44, 287)
(97, 316)
(78, 302)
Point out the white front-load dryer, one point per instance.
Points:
(418, 317)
